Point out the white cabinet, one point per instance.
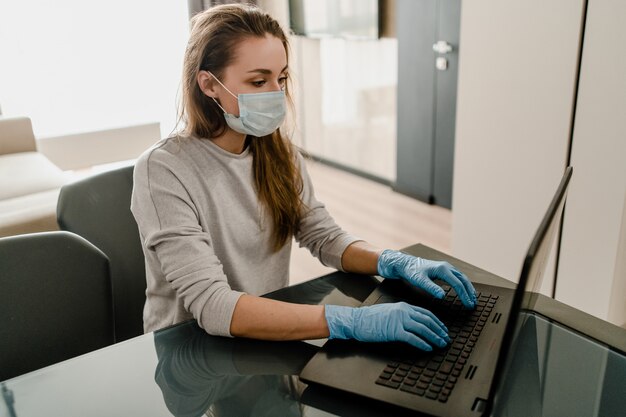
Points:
(517, 96)
(592, 270)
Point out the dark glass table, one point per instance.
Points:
(570, 364)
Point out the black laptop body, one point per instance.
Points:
(461, 379)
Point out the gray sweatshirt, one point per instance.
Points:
(205, 235)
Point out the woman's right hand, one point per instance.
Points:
(399, 322)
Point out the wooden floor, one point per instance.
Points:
(373, 212)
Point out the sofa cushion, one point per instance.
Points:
(16, 135)
(26, 173)
(29, 213)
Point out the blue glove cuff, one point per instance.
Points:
(340, 321)
(385, 263)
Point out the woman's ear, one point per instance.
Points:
(207, 83)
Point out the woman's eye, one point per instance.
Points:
(259, 83)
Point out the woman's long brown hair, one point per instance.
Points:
(214, 35)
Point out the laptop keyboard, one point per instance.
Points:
(434, 376)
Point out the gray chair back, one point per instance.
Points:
(55, 300)
(98, 209)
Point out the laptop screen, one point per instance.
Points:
(533, 269)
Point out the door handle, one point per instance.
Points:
(442, 47)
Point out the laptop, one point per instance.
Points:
(463, 378)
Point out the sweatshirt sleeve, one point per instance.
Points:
(168, 224)
(318, 231)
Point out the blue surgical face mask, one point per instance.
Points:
(259, 113)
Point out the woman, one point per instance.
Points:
(218, 204)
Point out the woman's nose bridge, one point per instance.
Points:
(275, 85)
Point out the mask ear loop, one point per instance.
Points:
(226, 88)
(218, 105)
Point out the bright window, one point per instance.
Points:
(76, 66)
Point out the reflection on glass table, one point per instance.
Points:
(200, 374)
(556, 371)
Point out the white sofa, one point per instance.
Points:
(29, 182)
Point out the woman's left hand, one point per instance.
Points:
(421, 273)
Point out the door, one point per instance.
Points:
(428, 45)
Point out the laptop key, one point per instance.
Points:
(437, 383)
(426, 379)
(388, 383)
(409, 382)
(413, 390)
(433, 366)
(432, 395)
(457, 345)
(437, 358)
(415, 374)
(446, 367)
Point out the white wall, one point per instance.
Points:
(592, 272)
(517, 70)
(74, 66)
(517, 79)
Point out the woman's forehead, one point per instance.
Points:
(255, 54)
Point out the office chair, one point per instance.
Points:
(55, 300)
(98, 209)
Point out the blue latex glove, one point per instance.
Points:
(399, 322)
(421, 273)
